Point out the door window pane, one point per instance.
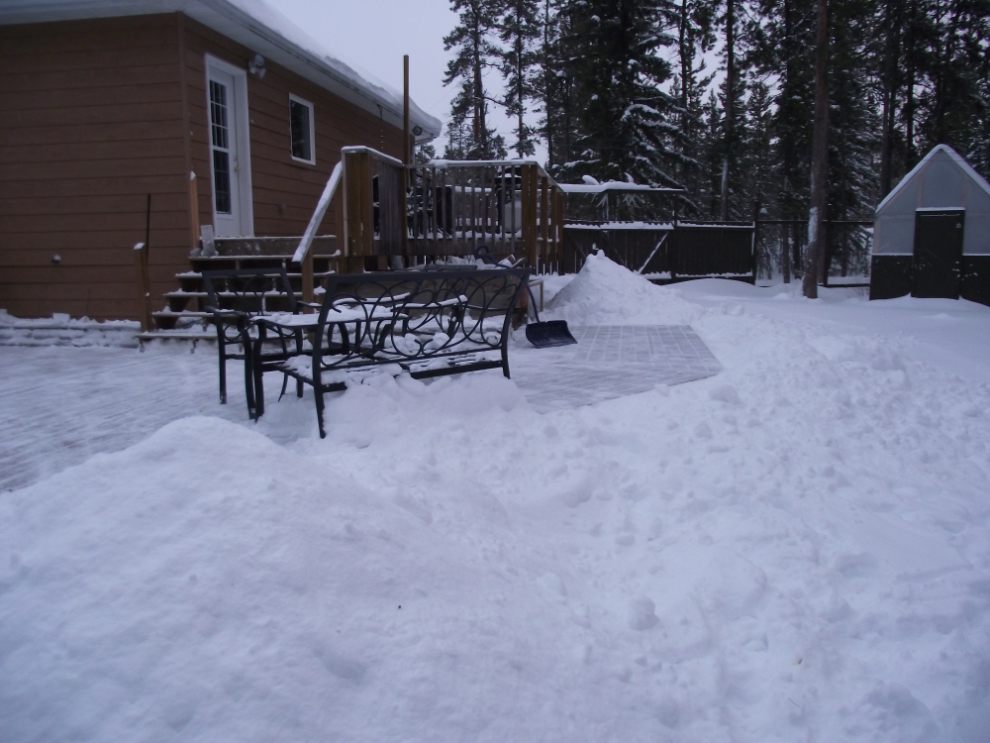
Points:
(221, 181)
(220, 134)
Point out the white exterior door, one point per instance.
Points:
(230, 160)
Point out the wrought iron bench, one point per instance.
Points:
(426, 323)
(234, 298)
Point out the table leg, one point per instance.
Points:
(256, 368)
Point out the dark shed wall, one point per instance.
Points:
(90, 123)
(285, 191)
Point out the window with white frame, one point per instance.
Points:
(301, 130)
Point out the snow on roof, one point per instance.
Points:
(978, 179)
(259, 27)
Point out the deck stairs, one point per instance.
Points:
(182, 317)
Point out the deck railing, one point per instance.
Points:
(447, 208)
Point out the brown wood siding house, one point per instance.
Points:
(98, 112)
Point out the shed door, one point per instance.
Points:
(938, 246)
(229, 158)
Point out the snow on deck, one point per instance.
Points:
(796, 548)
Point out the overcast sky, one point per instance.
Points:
(372, 36)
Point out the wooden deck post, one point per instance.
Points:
(193, 210)
(545, 218)
(358, 228)
(528, 196)
(307, 279)
(558, 222)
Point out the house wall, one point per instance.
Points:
(90, 124)
(285, 190)
(97, 114)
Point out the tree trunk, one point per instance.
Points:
(730, 100)
(819, 160)
(547, 82)
(480, 125)
(909, 103)
(892, 48)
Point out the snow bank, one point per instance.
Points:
(605, 293)
(795, 549)
(61, 330)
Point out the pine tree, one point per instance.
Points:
(556, 89)
(958, 44)
(695, 38)
(854, 143)
(475, 52)
(424, 153)
(519, 30)
(710, 143)
(732, 91)
(781, 37)
(614, 51)
(756, 193)
(883, 57)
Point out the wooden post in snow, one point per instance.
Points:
(144, 273)
(193, 210)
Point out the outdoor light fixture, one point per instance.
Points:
(257, 66)
(417, 130)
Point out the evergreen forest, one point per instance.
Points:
(718, 97)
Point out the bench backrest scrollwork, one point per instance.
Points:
(416, 318)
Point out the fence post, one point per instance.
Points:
(756, 239)
(672, 251)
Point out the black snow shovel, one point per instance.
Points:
(541, 334)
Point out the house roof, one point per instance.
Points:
(942, 150)
(260, 28)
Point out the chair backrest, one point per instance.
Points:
(254, 291)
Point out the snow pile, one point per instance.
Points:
(795, 549)
(61, 330)
(605, 293)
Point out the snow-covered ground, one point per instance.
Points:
(795, 549)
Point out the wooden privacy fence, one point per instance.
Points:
(666, 251)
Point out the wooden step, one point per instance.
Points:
(182, 304)
(170, 319)
(322, 263)
(267, 246)
(179, 336)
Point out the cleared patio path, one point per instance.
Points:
(59, 406)
(610, 361)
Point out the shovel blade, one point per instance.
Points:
(549, 334)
